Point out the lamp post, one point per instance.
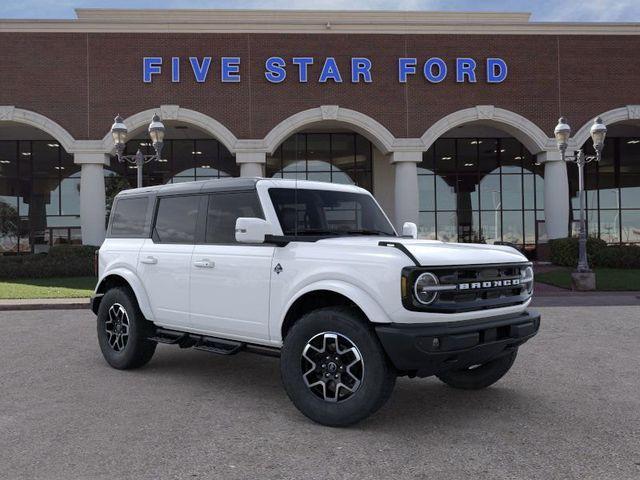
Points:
(156, 132)
(562, 133)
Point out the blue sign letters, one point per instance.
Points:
(434, 69)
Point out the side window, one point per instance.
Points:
(224, 209)
(176, 219)
(130, 217)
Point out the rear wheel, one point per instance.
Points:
(477, 377)
(123, 331)
(334, 368)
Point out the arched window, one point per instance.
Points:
(482, 190)
(327, 157)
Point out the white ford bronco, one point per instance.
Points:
(313, 273)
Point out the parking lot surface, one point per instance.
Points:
(569, 408)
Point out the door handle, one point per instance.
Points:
(204, 263)
(149, 260)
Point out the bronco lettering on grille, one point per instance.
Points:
(508, 282)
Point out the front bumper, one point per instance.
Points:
(426, 349)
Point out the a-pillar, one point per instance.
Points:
(92, 196)
(251, 163)
(556, 194)
(406, 187)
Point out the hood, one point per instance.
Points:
(436, 253)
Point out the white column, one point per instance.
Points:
(92, 196)
(556, 194)
(251, 163)
(406, 187)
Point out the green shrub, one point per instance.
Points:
(618, 256)
(564, 251)
(61, 261)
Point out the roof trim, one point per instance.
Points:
(311, 21)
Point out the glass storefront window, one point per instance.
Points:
(39, 195)
(326, 157)
(182, 161)
(483, 190)
(612, 189)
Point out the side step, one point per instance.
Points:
(221, 346)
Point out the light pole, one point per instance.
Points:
(119, 133)
(562, 133)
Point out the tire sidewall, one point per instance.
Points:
(377, 371)
(125, 358)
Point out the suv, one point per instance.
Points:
(313, 273)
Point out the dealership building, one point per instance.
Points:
(447, 118)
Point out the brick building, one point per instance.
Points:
(447, 118)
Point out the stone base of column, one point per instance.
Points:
(583, 281)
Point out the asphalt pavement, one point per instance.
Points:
(569, 408)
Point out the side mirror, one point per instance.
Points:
(251, 230)
(410, 230)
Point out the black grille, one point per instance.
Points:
(482, 287)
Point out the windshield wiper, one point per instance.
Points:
(316, 232)
(369, 232)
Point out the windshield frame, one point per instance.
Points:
(378, 225)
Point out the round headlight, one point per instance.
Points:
(424, 288)
(526, 279)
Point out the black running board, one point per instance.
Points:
(220, 346)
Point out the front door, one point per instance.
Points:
(165, 259)
(230, 281)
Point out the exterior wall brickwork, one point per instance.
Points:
(81, 80)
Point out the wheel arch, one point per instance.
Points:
(327, 294)
(123, 278)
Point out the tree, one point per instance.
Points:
(9, 221)
(113, 185)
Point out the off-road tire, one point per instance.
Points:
(377, 379)
(481, 376)
(137, 350)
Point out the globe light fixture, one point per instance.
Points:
(119, 134)
(598, 133)
(562, 133)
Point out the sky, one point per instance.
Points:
(542, 10)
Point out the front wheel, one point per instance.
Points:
(477, 377)
(334, 368)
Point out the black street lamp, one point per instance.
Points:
(562, 133)
(156, 132)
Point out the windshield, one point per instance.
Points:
(328, 212)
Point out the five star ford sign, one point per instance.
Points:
(361, 69)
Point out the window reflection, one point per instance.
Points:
(612, 188)
(483, 190)
(39, 196)
(326, 157)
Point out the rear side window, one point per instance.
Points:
(176, 219)
(130, 218)
(224, 209)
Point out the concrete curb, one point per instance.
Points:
(44, 304)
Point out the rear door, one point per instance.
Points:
(230, 281)
(165, 259)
